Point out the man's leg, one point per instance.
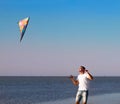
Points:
(85, 97)
(77, 102)
(78, 97)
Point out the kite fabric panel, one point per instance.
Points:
(23, 25)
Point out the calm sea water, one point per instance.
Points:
(31, 90)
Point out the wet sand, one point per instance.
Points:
(98, 99)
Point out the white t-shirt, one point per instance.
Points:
(83, 81)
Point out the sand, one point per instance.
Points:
(98, 99)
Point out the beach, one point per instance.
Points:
(105, 99)
(98, 99)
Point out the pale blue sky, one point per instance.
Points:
(61, 36)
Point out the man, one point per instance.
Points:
(82, 81)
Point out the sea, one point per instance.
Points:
(52, 89)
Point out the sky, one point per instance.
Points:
(61, 36)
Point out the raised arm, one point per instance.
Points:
(89, 76)
(75, 82)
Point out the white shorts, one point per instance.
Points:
(82, 95)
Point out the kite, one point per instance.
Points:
(23, 25)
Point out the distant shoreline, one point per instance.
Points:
(55, 76)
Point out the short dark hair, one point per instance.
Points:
(82, 67)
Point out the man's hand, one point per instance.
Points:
(71, 77)
(86, 71)
(75, 82)
(90, 77)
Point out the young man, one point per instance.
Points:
(82, 81)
